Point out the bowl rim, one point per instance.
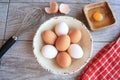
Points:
(90, 24)
(84, 62)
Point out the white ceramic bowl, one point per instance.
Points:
(85, 43)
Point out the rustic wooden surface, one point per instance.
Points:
(3, 14)
(19, 62)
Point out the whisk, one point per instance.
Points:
(30, 21)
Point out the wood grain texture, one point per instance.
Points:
(65, 1)
(110, 1)
(69, 1)
(4, 0)
(18, 11)
(19, 63)
(3, 15)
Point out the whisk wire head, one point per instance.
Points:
(31, 20)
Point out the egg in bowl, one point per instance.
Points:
(85, 43)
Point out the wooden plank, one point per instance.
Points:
(17, 12)
(3, 14)
(65, 1)
(110, 1)
(4, 0)
(68, 1)
(19, 63)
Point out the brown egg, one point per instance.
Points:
(75, 35)
(53, 8)
(62, 42)
(63, 59)
(49, 37)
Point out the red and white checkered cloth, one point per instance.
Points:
(105, 65)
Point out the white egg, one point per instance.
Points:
(75, 51)
(49, 51)
(64, 8)
(61, 28)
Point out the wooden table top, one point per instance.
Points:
(19, 62)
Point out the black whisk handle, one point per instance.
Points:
(7, 45)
